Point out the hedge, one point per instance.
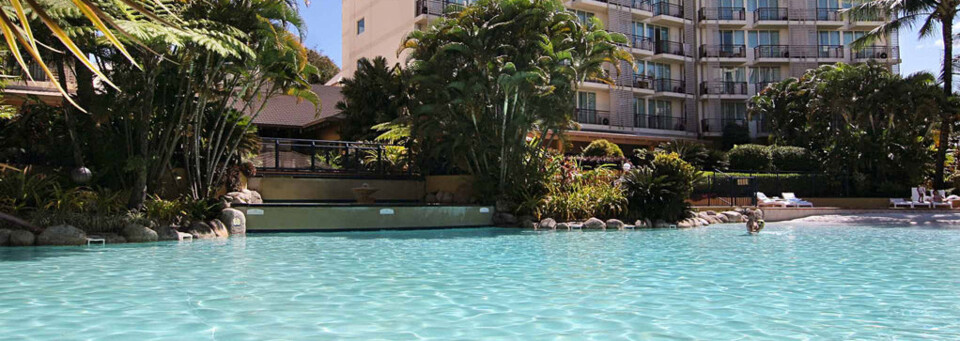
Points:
(750, 157)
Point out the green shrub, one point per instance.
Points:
(697, 154)
(750, 157)
(602, 148)
(659, 191)
(793, 159)
(733, 135)
(575, 194)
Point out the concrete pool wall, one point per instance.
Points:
(283, 217)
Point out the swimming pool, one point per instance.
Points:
(791, 282)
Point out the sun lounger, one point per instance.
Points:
(917, 197)
(792, 199)
(897, 202)
(763, 200)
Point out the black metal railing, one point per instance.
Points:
(670, 47)
(771, 14)
(670, 85)
(660, 122)
(642, 5)
(723, 88)
(333, 157)
(437, 7)
(798, 51)
(638, 81)
(723, 13)
(877, 52)
(640, 42)
(668, 9)
(827, 14)
(723, 51)
(760, 86)
(716, 125)
(593, 116)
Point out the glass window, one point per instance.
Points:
(757, 38)
(850, 36)
(733, 110)
(731, 37)
(658, 70)
(657, 33)
(587, 100)
(660, 108)
(829, 38)
(764, 75)
(361, 25)
(639, 107)
(732, 74)
(638, 29)
(584, 16)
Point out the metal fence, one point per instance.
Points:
(739, 188)
(280, 155)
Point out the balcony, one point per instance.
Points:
(638, 81)
(670, 47)
(670, 85)
(660, 122)
(642, 5)
(877, 53)
(668, 9)
(637, 42)
(723, 88)
(722, 13)
(827, 14)
(437, 7)
(723, 51)
(771, 14)
(798, 51)
(593, 116)
(716, 125)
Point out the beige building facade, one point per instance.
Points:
(698, 61)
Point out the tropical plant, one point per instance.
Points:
(793, 159)
(861, 122)
(602, 148)
(574, 193)
(752, 157)
(659, 191)
(326, 69)
(695, 153)
(929, 14)
(734, 134)
(498, 72)
(375, 94)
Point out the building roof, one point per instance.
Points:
(290, 112)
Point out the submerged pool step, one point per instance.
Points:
(101, 241)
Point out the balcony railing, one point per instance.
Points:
(723, 88)
(877, 52)
(330, 157)
(668, 9)
(771, 14)
(642, 5)
(660, 122)
(593, 116)
(437, 7)
(640, 42)
(670, 85)
(716, 125)
(723, 51)
(798, 51)
(639, 81)
(723, 13)
(827, 14)
(670, 47)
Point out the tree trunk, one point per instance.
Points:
(946, 117)
(141, 135)
(68, 118)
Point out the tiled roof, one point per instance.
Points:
(288, 111)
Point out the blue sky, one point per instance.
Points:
(323, 33)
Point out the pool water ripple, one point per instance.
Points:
(792, 282)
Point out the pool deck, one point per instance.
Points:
(888, 216)
(304, 217)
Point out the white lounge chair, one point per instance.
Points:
(763, 200)
(792, 199)
(945, 201)
(897, 202)
(916, 196)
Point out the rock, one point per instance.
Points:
(528, 224)
(661, 224)
(615, 224)
(504, 219)
(703, 222)
(711, 213)
(62, 235)
(686, 224)
(722, 218)
(167, 232)
(641, 224)
(244, 197)
(219, 229)
(445, 197)
(235, 220)
(431, 198)
(563, 226)
(201, 230)
(21, 238)
(135, 233)
(4, 237)
(594, 224)
(548, 224)
(113, 238)
(732, 216)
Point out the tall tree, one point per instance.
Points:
(325, 66)
(929, 14)
(373, 95)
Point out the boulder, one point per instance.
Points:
(686, 224)
(548, 224)
(722, 218)
(235, 220)
(528, 224)
(112, 238)
(703, 222)
(732, 216)
(563, 226)
(431, 198)
(136, 233)
(167, 232)
(641, 224)
(219, 228)
(594, 224)
(4, 237)
(21, 238)
(201, 230)
(661, 224)
(504, 219)
(615, 224)
(62, 235)
(244, 197)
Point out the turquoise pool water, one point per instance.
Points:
(791, 282)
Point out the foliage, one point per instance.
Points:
(795, 159)
(861, 122)
(750, 157)
(733, 135)
(164, 211)
(373, 95)
(23, 191)
(485, 80)
(695, 153)
(326, 69)
(602, 148)
(390, 159)
(573, 193)
(659, 191)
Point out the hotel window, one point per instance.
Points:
(587, 100)
(758, 38)
(850, 36)
(657, 33)
(752, 5)
(584, 16)
(361, 26)
(732, 74)
(730, 38)
(658, 70)
(660, 108)
(764, 75)
(730, 111)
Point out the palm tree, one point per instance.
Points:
(907, 14)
